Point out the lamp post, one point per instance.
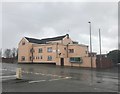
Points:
(90, 45)
(100, 47)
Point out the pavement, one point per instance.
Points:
(51, 78)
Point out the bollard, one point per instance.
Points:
(19, 74)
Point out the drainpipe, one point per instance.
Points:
(32, 50)
(57, 50)
(67, 50)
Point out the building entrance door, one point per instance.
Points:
(62, 61)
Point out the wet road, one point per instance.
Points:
(51, 78)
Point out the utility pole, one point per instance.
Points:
(90, 45)
(100, 47)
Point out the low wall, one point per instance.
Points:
(105, 63)
(9, 60)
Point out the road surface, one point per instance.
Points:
(51, 78)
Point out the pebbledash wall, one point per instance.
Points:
(59, 50)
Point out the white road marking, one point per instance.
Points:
(37, 73)
(7, 70)
(60, 78)
(3, 69)
(111, 80)
(53, 75)
(49, 74)
(37, 81)
(68, 77)
(31, 72)
(53, 79)
(43, 74)
(8, 76)
(3, 78)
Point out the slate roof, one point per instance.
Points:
(44, 41)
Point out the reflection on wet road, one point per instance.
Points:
(50, 75)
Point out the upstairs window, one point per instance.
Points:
(64, 48)
(49, 49)
(40, 50)
(23, 43)
(71, 50)
(32, 50)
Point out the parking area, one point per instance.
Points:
(51, 78)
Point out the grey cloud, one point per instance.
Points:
(52, 19)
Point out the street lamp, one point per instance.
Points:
(100, 47)
(90, 45)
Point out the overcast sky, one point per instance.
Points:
(50, 19)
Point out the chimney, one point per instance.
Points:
(67, 36)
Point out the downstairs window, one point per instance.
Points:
(75, 60)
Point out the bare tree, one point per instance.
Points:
(0, 52)
(17, 53)
(14, 52)
(8, 53)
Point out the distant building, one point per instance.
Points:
(59, 50)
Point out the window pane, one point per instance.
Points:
(49, 49)
(22, 58)
(75, 60)
(40, 50)
(49, 58)
(23, 43)
(71, 50)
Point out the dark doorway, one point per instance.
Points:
(62, 61)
